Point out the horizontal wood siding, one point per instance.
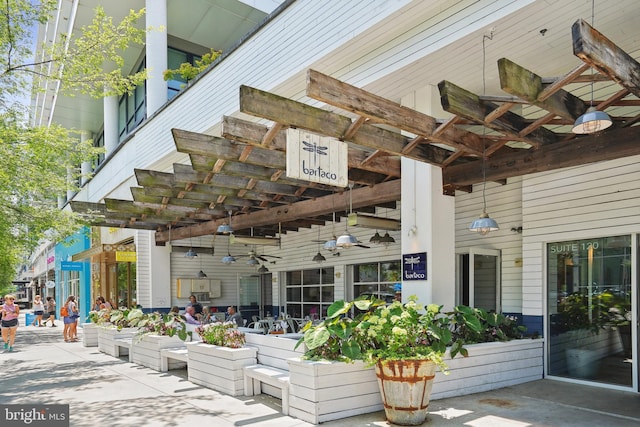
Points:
(504, 204)
(595, 200)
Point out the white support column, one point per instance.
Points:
(428, 217)
(110, 104)
(85, 167)
(70, 192)
(153, 271)
(156, 13)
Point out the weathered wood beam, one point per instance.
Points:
(220, 148)
(292, 113)
(365, 196)
(461, 102)
(252, 133)
(350, 98)
(579, 151)
(605, 56)
(527, 85)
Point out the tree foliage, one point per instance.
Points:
(40, 163)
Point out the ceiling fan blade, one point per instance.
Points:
(362, 246)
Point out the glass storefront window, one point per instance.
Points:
(309, 292)
(588, 306)
(376, 278)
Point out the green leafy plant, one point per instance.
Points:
(493, 326)
(187, 71)
(164, 324)
(127, 318)
(385, 332)
(224, 334)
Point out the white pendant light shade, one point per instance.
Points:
(591, 122)
(330, 245)
(228, 259)
(225, 229)
(484, 224)
(191, 254)
(252, 261)
(346, 241)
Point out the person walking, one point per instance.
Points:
(51, 309)
(38, 310)
(70, 320)
(9, 312)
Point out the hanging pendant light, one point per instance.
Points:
(387, 239)
(330, 245)
(228, 259)
(593, 120)
(484, 224)
(375, 238)
(226, 228)
(252, 261)
(319, 258)
(347, 240)
(201, 275)
(191, 253)
(263, 269)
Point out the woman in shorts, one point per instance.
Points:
(38, 310)
(9, 311)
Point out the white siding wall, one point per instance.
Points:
(597, 200)
(504, 204)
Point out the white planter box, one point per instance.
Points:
(107, 335)
(219, 368)
(89, 334)
(324, 391)
(321, 391)
(146, 348)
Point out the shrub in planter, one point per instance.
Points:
(224, 334)
(163, 324)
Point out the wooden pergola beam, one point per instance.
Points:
(527, 85)
(380, 110)
(296, 114)
(366, 196)
(605, 56)
(579, 151)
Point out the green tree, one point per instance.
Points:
(38, 163)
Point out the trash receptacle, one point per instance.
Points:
(29, 318)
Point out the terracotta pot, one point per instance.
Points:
(405, 386)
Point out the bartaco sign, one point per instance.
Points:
(316, 158)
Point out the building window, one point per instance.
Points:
(381, 279)
(589, 309)
(98, 142)
(132, 109)
(309, 292)
(175, 58)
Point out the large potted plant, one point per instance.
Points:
(217, 361)
(405, 343)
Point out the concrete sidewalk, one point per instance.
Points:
(105, 391)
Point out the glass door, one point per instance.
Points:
(589, 310)
(479, 279)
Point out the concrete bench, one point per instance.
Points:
(179, 353)
(254, 375)
(119, 343)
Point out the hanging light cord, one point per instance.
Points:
(484, 129)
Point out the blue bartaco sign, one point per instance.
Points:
(414, 266)
(316, 158)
